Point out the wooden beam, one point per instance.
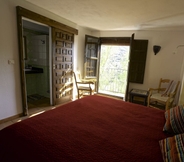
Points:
(42, 19)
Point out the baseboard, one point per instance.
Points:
(111, 96)
(11, 118)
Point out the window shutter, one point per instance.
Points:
(91, 57)
(137, 61)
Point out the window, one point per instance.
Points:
(138, 52)
(137, 61)
(91, 57)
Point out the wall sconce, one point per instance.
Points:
(156, 49)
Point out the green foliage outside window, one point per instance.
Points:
(113, 68)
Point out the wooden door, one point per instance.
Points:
(62, 43)
(138, 61)
(136, 69)
(131, 46)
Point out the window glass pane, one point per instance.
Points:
(91, 65)
(91, 50)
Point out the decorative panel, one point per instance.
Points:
(62, 61)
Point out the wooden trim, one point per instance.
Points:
(42, 19)
(22, 74)
(11, 118)
(24, 13)
(115, 40)
(110, 96)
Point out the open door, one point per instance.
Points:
(131, 48)
(91, 57)
(62, 54)
(94, 63)
(138, 61)
(137, 57)
(138, 54)
(62, 43)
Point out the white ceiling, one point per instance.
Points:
(119, 14)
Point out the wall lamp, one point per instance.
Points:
(156, 49)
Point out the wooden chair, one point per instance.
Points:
(84, 87)
(164, 95)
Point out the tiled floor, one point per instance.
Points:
(32, 112)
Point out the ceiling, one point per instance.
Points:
(119, 14)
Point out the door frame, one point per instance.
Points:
(126, 79)
(24, 13)
(121, 41)
(134, 44)
(105, 41)
(50, 58)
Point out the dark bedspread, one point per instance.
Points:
(94, 128)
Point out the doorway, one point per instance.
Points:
(55, 38)
(36, 63)
(113, 70)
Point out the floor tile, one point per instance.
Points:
(32, 112)
(3, 125)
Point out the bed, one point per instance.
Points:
(94, 128)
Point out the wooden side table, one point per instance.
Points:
(138, 93)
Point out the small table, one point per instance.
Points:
(139, 93)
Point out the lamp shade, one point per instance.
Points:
(156, 49)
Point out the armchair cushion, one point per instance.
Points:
(174, 120)
(160, 97)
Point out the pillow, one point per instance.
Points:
(174, 120)
(172, 148)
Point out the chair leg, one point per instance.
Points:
(148, 99)
(148, 102)
(78, 94)
(167, 106)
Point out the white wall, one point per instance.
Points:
(80, 47)
(165, 64)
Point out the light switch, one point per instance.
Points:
(11, 62)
